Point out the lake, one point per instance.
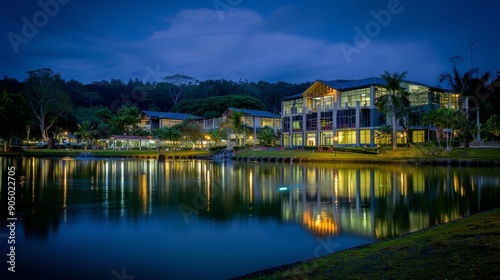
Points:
(195, 219)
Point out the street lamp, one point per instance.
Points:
(207, 137)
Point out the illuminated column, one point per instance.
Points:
(357, 123)
(318, 125)
(304, 116)
(334, 119)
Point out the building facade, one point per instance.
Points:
(343, 113)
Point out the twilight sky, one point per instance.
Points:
(292, 41)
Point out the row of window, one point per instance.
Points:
(348, 137)
(419, 96)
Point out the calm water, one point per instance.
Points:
(119, 219)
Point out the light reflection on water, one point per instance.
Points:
(185, 219)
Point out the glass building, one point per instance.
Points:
(343, 113)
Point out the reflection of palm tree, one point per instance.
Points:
(394, 100)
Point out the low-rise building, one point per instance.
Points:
(344, 113)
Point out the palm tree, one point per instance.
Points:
(394, 100)
(171, 134)
(86, 131)
(465, 84)
(237, 122)
(217, 135)
(266, 136)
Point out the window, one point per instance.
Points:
(286, 124)
(297, 139)
(293, 106)
(364, 136)
(418, 136)
(351, 96)
(267, 122)
(311, 139)
(347, 137)
(297, 123)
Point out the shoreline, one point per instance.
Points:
(466, 162)
(483, 225)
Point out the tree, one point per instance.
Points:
(466, 84)
(171, 134)
(178, 84)
(267, 136)
(86, 131)
(14, 115)
(216, 105)
(45, 97)
(445, 120)
(125, 121)
(383, 133)
(493, 125)
(236, 123)
(217, 135)
(191, 130)
(394, 100)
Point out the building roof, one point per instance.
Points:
(169, 115)
(255, 113)
(291, 97)
(355, 84)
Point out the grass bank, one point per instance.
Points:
(467, 248)
(412, 154)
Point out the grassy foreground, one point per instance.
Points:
(467, 248)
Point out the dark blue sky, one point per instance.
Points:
(293, 41)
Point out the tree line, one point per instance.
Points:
(45, 104)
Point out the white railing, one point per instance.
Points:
(485, 144)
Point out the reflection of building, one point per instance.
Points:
(346, 110)
(322, 224)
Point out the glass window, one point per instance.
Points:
(351, 96)
(267, 122)
(347, 137)
(364, 136)
(297, 139)
(293, 106)
(311, 139)
(418, 136)
(286, 140)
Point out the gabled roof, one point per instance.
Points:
(254, 113)
(168, 115)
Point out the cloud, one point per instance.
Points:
(198, 43)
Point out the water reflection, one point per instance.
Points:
(226, 212)
(370, 201)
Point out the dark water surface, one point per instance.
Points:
(142, 219)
